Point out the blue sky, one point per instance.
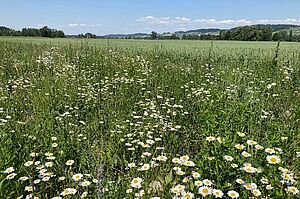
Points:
(116, 16)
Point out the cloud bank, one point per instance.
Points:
(152, 20)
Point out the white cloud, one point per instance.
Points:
(280, 21)
(77, 25)
(72, 25)
(212, 22)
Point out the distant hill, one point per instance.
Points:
(200, 31)
(210, 31)
(135, 35)
(214, 32)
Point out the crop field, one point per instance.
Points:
(130, 119)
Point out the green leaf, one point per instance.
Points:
(169, 178)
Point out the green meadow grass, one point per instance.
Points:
(145, 119)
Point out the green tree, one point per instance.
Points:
(154, 35)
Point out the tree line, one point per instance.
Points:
(32, 32)
(245, 33)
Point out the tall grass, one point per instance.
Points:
(142, 122)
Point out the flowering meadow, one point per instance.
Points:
(88, 121)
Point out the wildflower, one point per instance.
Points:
(51, 158)
(37, 181)
(189, 163)
(85, 183)
(240, 181)
(239, 146)
(84, 194)
(293, 190)
(210, 139)
(250, 186)
(9, 170)
(217, 193)
(249, 169)
(162, 158)
(10, 176)
(264, 180)
(70, 162)
(184, 158)
(24, 178)
(272, 159)
(269, 150)
(256, 192)
(145, 167)
(195, 175)
(287, 177)
(28, 164)
(54, 145)
(269, 187)
(140, 194)
(228, 158)
(61, 178)
(233, 194)
(187, 195)
(246, 154)
(185, 180)
(180, 187)
(37, 163)
(28, 196)
(207, 182)
(29, 188)
(33, 154)
(176, 169)
(57, 197)
(210, 158)
(220, 140)
(68, 191)
(251, 142)
(175, 190)
(45, 179)
(241, 134)
(129, 191)
(49, 164)
(258, 147)
(40, 167)
(48, 154)
(204, 191)
(131, 165)
(198, 183)
(147, 154)
(136, 182)
(283, 170)
(176, 160)
(77, 176)
(234, 165)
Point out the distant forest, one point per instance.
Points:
(261, 33)
(278, 32)
(244, 33)
(32, 32)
